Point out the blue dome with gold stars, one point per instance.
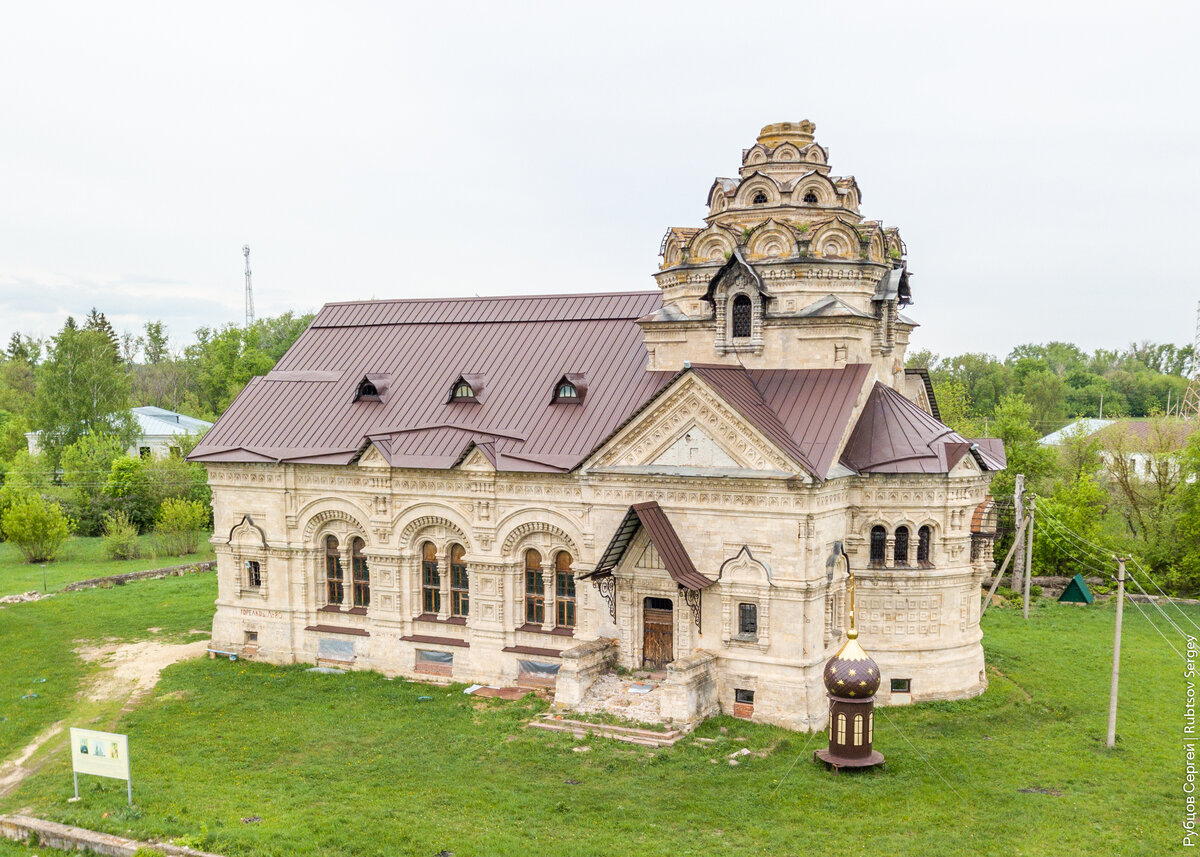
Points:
(851, 674)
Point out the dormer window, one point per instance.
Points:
(570, 390)
(468, 388)
(810, 198)
(371, 388)
(743, 314)
(760, 198)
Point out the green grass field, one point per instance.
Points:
(81, 559)
(358, 765)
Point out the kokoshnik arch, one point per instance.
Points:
(531, 489)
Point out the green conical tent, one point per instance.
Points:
(1077, 591)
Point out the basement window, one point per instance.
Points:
(743, 703)
(252, 638)
(746, 697)
(434, 663)
(901, 685)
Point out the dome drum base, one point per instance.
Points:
(835, 763)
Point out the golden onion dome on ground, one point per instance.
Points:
(851, 673)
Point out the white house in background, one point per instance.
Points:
(1143, 439)
(159, 432)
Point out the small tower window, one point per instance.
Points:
(901, 550)
(924, 537)
(760, 198)
(878, 546)
(810, 198)
(742, 316)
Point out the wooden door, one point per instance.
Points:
(658, 643)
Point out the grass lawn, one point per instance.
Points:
(81, 559)
(359, 765)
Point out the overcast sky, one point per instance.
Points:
(1040, 160)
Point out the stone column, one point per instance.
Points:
(548, 596)
(444, 585)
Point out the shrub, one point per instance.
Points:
(178, 526)
(120, 537)
(37, 526)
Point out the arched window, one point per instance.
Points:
(460, 604)
(564, 591)
(366, 390)
(431, 580)
(878, 546)
(760, 198)
(535, 592)
(462, 390)
(901, 550)
(742, 315)
(566, 390)
(334, 591)
(360, 574)
(924, 537)
(858, 730)
(870, 726)
(841, 738)
(810, 198)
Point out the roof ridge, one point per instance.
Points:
(473, 298)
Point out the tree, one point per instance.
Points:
(1079, 506)
(155, 343)
(178, 526)
(37, 526)
(225, 359)
(82, 389)
(85, 467)
(98, 322)
(1013, 425)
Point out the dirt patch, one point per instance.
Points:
(130, 670)
(14, 770)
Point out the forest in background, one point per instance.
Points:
(77, 387)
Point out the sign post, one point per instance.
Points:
(102, 754)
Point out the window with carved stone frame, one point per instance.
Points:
(431, 579)
(335, 578)
(535, 591)
(360, 574)
(460, 604)
(564, 592)
(741, 603)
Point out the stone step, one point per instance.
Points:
(628, 734)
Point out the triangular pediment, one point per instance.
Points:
(690, 427)
(477, 462)
(372, 457)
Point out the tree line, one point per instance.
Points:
(76, 390)
(1133, 489)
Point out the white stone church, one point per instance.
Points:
(534, 490)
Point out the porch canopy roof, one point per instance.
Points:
(665, 540)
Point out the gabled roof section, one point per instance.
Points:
(737, 260)
(665, 540)
(893, 435)
(832, 306)
(303, 411)
(803, 412)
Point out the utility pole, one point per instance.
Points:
(1190, 409)
(249, 290)
(1019, 516)
(1112, 697)
(1028, 555)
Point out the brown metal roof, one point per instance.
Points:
(893, 435)
(304, 410)
(665, 540)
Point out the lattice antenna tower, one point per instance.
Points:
(249, 288)
(1191, 399)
